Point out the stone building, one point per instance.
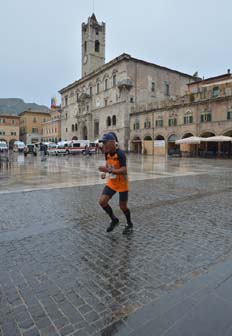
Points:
(205, 110)
(51, 128)
(31, 126)
(9, 129)
(106, 95)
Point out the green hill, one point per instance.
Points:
(14, 106)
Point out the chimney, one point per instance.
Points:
(228, 71)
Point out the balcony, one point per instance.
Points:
(125, 84)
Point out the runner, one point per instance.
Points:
(117, 181)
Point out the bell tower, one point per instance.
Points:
(93, 45)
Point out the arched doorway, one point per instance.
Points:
(159, 145)
(147, 144)
(136, 145)
(74, 137)
(85, 133)
(172, 147)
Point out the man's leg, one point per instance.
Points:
(123, 206)
(104, 200)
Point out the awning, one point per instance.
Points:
(189, 140)
(217, 138)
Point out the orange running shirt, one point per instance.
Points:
(115, 161)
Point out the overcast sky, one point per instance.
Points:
(40, 40)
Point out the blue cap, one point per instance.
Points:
(107, 137)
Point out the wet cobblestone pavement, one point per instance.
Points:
(62, 274)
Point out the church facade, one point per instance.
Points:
(108, 94)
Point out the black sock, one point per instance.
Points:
(109, 211)
(128, 217)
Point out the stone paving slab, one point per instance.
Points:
(62, 274)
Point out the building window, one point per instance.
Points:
(106, 84)
(34, 130)
(97, 46)
(98, 87)
(166, 89)
(152, 86)
(34, 120)
(203, 93)
(96, 128)
(229, 115)
(90, 91)
(85, 47)
(66, 100)
(188, 120)
(172, 122)
(96, 31)
(114, 80)
(66, 130)
(73, 127)
(114, 120)
(159, 123)
(13, 133)
(106, 102)
(206, 117)
(44, 120)
(136, 125)
(77, 97)
(147, 124)
(13, 122)
(2, 121)
(215, 91)
(108, 121)
(131, 99)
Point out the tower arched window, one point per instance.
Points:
(85, 47)
(97, 46)
(108, 121)
(75, 127)
(114, 120)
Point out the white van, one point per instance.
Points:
(76, 146)
(3, 146)
(18, 146)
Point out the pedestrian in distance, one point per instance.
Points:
(116, 169)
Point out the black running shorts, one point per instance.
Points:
(123, 196)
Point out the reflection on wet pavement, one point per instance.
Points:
(33, 173)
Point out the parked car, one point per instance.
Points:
(30, 149)
(54, 149)
(18, 146)
(3, 147)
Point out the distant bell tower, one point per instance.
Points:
(93, 45)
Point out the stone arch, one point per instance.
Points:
(1, 139)
(74, 137)
(159, 137)
(147, 138)
(187, 135)
(228, 132)
(207, 133)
